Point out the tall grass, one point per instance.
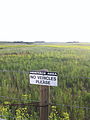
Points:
(72, 62)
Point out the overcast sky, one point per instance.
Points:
(45, 20)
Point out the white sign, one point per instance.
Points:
(43, 78)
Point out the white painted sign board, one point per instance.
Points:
(43, 78)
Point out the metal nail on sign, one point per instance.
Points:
(43, 78)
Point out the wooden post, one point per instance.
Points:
(44, 101)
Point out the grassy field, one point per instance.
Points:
(70, 61)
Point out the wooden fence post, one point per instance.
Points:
(44, 101)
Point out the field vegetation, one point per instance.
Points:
(70, 61)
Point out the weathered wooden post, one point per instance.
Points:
(44, 101)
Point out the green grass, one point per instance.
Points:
(71, 61)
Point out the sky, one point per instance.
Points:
(45, 20)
